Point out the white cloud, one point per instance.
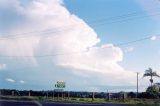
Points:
(21, 81)
(10, 80)
(153, 38)
(95, 59)
(71, 36)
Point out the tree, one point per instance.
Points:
(149, 72)
(152, 92)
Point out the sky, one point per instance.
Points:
(81, 42)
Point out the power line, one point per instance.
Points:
(134, 41)
(84, 51)
(46, 31)
(123, 15)
(124, 18)
(48, 55)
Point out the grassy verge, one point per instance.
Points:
(85, 100)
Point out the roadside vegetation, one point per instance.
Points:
(86, 100)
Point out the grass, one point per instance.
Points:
(145, 102)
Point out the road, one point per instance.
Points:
(35, 103)
(19, 103)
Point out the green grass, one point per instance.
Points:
(84, 100)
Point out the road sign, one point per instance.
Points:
(60, 84)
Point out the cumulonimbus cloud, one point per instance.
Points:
(54, 30)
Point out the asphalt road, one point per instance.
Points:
(35, 103)
(19, 103)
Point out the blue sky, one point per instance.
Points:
(95, 26)
(138, 26)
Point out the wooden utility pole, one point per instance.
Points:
(47, 95)
(137, 85)
(12, 93)
(53, 94)
(68, 94)
(29, 93)
(92, 96)
(58, 95)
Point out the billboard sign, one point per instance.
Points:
(60, 84)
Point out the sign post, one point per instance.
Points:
(60, 85)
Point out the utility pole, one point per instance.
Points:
(137, 85)
(47, 95)
(53, 94)
(108, 95)
(68, 94)
(92, 96)
(29, 93)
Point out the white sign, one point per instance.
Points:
(60, 84)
